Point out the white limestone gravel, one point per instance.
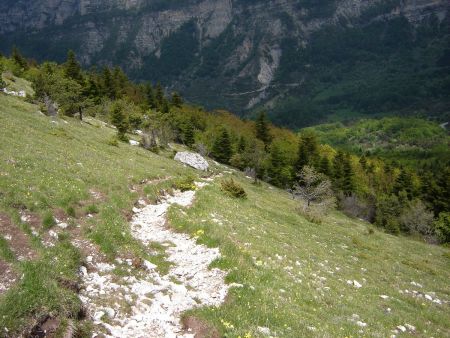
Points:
(151, 305)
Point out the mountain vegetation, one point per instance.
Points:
(373, 69)
(413, 141)
(319, 205)
(68, 158)
(303, 62)
(363, 182)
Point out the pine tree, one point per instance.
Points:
(177, 101)
(119, 120)
(159, 95)
(307, 151)
(91, 90)
(189, 134)
(150, 95)
(388, 208)
(72, 68)
(19, 59)
(120, 81)
(109, 87)
(262, 129)
(242, 145)
(437, 190)
(325, 166)
(348, 184)
(302, 157)
(278, 172)
(254, 158)
(338, 170)
(404, 183)
(165, 106)
(221, 149)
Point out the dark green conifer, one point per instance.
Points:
(221, 149)
(277, 170)
(242, 145)
(72, 68)
(177, 101)
(307, 151)
(165, 109)
(262, 129)
(91, 90)
(150, 95)
(325, 166)
(108, 85)
(189, 134)
(159, 95)
(348, 184)
(119, 120)
(437, 190)
(404, 183)
(120, 81)
(19, 59)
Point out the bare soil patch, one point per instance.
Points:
(7, 276)
(18, 241)
(199, 328)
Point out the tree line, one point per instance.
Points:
(397, 198)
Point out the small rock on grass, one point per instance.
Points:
(410, 327)
(401, 328)
(264, 330)
(149, 266)
(355, 283)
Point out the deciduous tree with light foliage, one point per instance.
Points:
(314, 190)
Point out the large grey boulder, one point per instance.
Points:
(193, 160)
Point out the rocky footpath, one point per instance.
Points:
(149, 304)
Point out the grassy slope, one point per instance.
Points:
(46, 165)
(251, 233)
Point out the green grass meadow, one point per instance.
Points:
(294, 273)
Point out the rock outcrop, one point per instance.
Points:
(193, 160)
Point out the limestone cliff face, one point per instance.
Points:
(233, 49)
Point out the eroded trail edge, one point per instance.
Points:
(150, 304)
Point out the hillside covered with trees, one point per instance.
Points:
(304, 62)
(371, 187)
(270, 217)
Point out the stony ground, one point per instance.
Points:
(149, 304)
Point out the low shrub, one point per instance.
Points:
(230, 187)
(113, 141)
(185, 183)
(442, 227)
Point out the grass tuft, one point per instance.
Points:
(48, 221)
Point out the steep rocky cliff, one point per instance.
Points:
(237, 54)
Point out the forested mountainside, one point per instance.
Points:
(404, 140)
(104, 234)
(302, 61)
